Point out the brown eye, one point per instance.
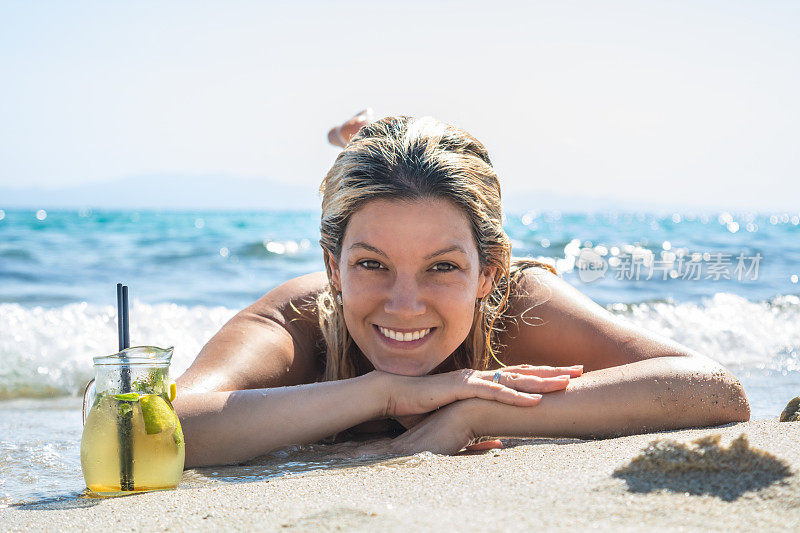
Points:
(444, 267)
(370, 264)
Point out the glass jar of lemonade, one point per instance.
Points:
(132, 439)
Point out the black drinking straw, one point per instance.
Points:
(126, 340)
(120, 336)
(125, 427)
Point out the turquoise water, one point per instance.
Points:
(189, 272)
(75, 256)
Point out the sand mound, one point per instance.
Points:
(703, 467)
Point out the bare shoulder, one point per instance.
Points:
(290, 300)
(273, 342)
(292, 307)
(550, 322)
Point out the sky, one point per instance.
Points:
(685, 103)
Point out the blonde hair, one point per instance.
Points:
(403, 158)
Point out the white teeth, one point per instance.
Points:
(405, 337)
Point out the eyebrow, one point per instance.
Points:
(448, 249)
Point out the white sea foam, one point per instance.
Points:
(728, 328)
(48, 351)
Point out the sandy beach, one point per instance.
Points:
(553, 484)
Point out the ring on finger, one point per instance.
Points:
(497, 376)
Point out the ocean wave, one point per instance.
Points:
(48, 351)
(269, 248)
(728, 328)
(16, 275)
(17, 254)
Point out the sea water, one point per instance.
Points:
(724, 284)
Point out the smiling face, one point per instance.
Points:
(409, 274)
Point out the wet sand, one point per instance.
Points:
(555, 484)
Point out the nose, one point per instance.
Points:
(405, 299)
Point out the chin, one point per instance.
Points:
(401, 369)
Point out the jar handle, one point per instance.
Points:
(88, 399)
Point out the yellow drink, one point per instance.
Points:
(155, 444)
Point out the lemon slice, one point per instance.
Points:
(157, 414)
(128, 397)
(173, 391)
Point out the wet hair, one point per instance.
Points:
(411, 159)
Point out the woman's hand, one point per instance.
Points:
(445, 431)
(520, 385)
(449, 429)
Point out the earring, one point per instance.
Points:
(339, 299)
(481, 305)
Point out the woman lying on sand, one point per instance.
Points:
(424, 327)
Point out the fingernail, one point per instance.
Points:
(576, 366)
(562, 377)
(534, 396)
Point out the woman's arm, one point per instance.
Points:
(649, 395)
(251, 389)
(232, 426)
(559, 325)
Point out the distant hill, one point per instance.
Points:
(178, 192)
(225, 192)
(521, 201)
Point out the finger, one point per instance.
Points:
(501, 393)
(552, 384)
(545, 371)
(526, 382)
(533, 384)
(485, 445)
